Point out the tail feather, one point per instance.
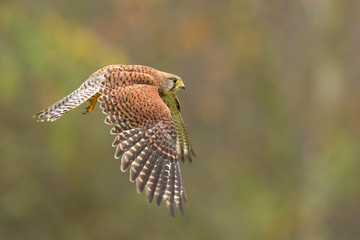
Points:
(89, 88)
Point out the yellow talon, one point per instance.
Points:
(92, 102)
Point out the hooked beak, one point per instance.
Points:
(181, 85)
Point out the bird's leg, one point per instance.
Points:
(92, 102)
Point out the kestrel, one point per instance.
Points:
(151, 138)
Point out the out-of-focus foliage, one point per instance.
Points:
(272, 108)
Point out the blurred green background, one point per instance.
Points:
(271, 106)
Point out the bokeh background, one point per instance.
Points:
(271, 105)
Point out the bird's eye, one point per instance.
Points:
(174, 80)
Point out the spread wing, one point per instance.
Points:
(184, 148)
(145, 141)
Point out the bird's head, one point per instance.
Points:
(170, 83)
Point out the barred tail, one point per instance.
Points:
(89, 88)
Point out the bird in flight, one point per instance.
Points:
(150, 135)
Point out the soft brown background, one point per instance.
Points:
(271, 105)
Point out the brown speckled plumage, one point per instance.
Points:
(140, 102)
